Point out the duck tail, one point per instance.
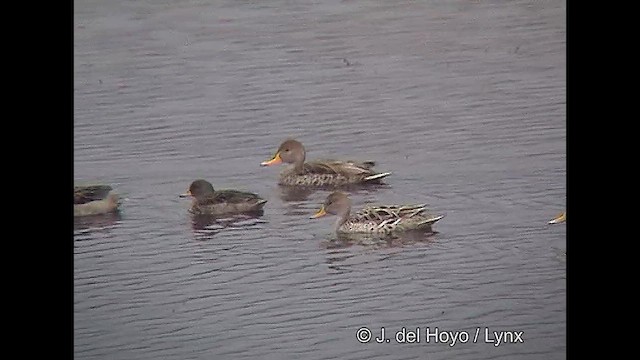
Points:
(113, 199)
(430, 221)
(377, 176)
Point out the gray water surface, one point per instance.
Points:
(464, 101)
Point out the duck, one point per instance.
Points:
(376, 219)
(562, 217)
(207, 201)
(94, 200)
(321, 173)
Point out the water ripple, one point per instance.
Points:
(464, 102)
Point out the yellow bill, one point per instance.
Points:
(320, 213)
(562, 217)
(276, 160)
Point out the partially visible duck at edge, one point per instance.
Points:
(321, 172)
(562, 217)
(378, 219)
(94, 200)
(207, 201)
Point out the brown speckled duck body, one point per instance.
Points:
(207, 201)
(94, 200)
(321, 172)
(378, 219)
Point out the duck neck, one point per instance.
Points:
(342, 218)
(298, 164)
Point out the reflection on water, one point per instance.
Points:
(97, 223)
(302, 193)
(291, 193)
(346, 252)
(206, 226)
(376, 241)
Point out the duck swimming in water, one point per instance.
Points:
(378, 219)
(207, 201)
(321, 172)
(94, 200)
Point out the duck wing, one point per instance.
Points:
(342, 167)
(398, 217)
(381, 213)
(85, 194)
(230, 196)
